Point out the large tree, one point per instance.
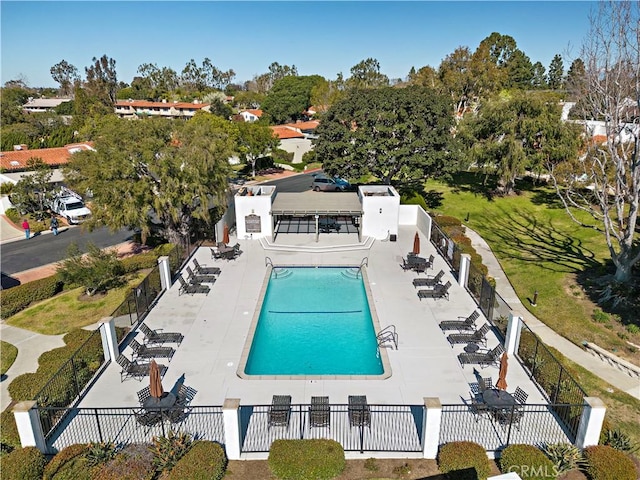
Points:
(155, 174)
(290, 97)
(34, 192)
(610, 92)
(516, 132)
(66, 75)
(366, 74)
(255, 141)
(555, 78)
(395, 134)
(102, 80)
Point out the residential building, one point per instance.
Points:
(250, 115)
(39, 105)
(143, 108)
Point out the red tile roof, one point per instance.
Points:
(256, 112)
(284, 132)
(309, 125)
(17, 159)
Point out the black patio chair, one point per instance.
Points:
(509, 416)
(485, 383)
(439, 291)
(477, 337)
(192, 289)
(279, 411)
(147, 418)
(204, 270)
(145, 351)
(359, 411)
(468, 323)
(135, 369)
(478, 408)
(483, 359)
(319, 412)
(158, 336)
(196, 278)
(406, 266)
(181, 408)
(144, 394)
(520, 395)
(428, 281)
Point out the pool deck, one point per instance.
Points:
(216, 326)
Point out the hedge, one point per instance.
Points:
(468, 460)
(316, 459)
(607, 463)
(205, 460)
(18, 298)
(23, 464)
(528, 462)
(68, 463)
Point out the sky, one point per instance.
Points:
(323, 38)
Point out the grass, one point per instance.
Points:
(8, 354)
(540, 249)
(70, 309)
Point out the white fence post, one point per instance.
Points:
(431, 427)
(29, 426)
(231, 422)
(165, 272)
(463, 275)
(590, 422)
(109, 339)
(512, 337)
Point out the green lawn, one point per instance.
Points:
(69, 310)
(540, 249)
(8, 354)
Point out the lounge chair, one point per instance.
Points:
(144, 351)
(135, 369)
(428, 281)
(204, 270)
(479, 336)
(439, 291)
(158, 336)
(483, 359)
(279, 411)
(195, 278)
(215, 253)
(319, 412)
(192, 288)
(359, 412)
(468, 323)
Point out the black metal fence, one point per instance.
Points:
(530, 424)
(561, 388)
(445, 246)
(391, 428)
(121, 425)
(69, 381)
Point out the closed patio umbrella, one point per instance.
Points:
(225, 234)
(416, 244)
(501, 384)
(155, 383)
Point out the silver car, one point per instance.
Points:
(325, 184)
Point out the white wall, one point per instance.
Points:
(258, 204)
(297, 146)
(381, 206)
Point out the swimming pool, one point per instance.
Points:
(314, 321)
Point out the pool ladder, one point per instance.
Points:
(388, 337)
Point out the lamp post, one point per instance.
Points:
(534, 303)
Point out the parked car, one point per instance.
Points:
(325, 184)
(69, 205)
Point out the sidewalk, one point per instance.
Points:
(608, 373)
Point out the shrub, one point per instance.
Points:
(13, 215)
(371, 465)
(564, 456)
(100, 452)
(457, 456)
(205, 460)
(9, 431)
(447, 221)
(168, 450)
(527, 461)
(600, 317)
(97, 271)
(306, 459)
(618, 440)
(23, 464)
(134, 462)
(633, 328)
(18, 298)
(5, 189)
(413, 198)
(606, 463)
(60, 462)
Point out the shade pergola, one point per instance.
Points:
(326, 203)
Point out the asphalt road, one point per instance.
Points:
(41, 250)
(296, 183)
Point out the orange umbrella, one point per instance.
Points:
(501, 384)
(225, 235)
(155, 383)
(416, 244)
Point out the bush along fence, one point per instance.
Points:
(411, 429)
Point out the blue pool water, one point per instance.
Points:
(314, 321)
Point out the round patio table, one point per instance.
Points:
(167, 400)
(498, 399)
(471, 348)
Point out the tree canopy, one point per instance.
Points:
(290, 97)
(255, 141)
(395, 134)
(155, 174)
